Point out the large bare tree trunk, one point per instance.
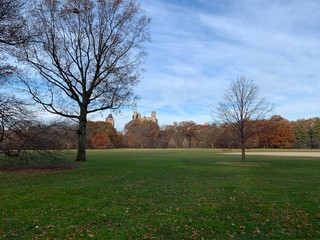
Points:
(243, 151)
(82, 138)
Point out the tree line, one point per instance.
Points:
(276, 132)
(19, 136)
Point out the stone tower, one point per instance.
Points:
(110, 119)
(136, 115)
(153, 117)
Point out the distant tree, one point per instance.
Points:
(185, 143)
(307, 132)
(100, 128)
(88, 55)
(69, 136)
(100, 140)
(171, 132)
(316, 133)
(172, 143)
(241, 108)
(301, 134)
(313, 128)
(142, 133)
(277, 132)
(207, 136)
(227, 137)
(264, 133)
(187, 129)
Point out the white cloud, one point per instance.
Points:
(198, 47)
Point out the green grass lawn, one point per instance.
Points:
(165, 194)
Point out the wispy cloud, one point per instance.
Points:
(199, 46)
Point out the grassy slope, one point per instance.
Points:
(165, 194)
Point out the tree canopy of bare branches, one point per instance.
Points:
(88, 55)
(241, 108)
(12, 23)
(12, 32)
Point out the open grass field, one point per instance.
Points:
(165, 194)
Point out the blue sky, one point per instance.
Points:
(199, 46)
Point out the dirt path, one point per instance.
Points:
(290, 154)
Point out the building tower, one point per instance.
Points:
(110, 119)
(135, 115)
(154, 117)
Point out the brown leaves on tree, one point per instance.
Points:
(100, 140)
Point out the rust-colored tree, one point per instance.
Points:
(88, 55)
(277, 133)
(142, 134)
(99, 127)
(282, 134)
(100, 140)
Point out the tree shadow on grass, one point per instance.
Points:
(36, 161)
(243, 164)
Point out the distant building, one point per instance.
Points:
(153, 117)
(110, 119)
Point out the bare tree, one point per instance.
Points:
(12, 23)
(142, 133)
(241, 108)
(88, 54)
(187, 129)
(207, 136)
